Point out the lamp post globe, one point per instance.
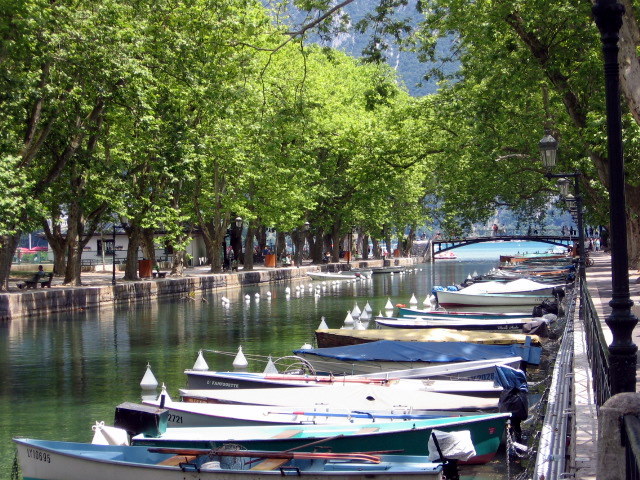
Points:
(548, 150)
(563, 186)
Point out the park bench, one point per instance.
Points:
(45, 282)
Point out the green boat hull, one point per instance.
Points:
(486, 435)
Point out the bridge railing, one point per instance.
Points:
(597, 349)
(522, 232)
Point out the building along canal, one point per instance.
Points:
(64, 372)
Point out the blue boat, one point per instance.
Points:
(387, 355)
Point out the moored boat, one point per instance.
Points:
(386, 355)
(420, 400)
(408, 311)
(388, 269)
(459, 298)
(452, 323)
(342, 336)
(408, 438)
(476, 370)
(333, 276)
(51, 460)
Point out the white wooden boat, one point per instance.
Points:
(389, 269)
(191, 414)
(448, 298)
(522, 286)
(470, 324)
(472, 370)
(330, 276)
(346, 396)
(50, 460)
(428, 312)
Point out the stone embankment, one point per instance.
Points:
(100, 292)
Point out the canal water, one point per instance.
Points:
(62, 373)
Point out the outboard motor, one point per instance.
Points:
(544, 308)
(514, 397)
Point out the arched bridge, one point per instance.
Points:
(444, 244)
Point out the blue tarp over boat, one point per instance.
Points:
(397, 351)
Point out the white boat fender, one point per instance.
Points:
(148, 381)
(104, 435)
(240, 361)
(201, 364)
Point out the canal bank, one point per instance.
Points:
(97, 289)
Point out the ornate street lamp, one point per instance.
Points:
(548, 154)
(623, 352)
(548, 150)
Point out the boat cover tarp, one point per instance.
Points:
(508, 378)
(398, 351)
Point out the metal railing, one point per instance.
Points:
(552, 446)
(630, 432)
(597, 349)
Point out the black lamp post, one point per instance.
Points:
(351, 229)
(113, 259)
(548, 154)
(623, 352)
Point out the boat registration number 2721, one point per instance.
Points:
(38, 455)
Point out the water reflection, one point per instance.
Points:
(62, 373)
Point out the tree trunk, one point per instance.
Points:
(134, 234)
(73, 232)
(148, 246)
(178, 262)
(58, 244)
(316, 249)
(376, 248)
(8, 245)
(365, 247)
(248, 248)
(235, 240)
(334, 241)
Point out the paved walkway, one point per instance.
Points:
(584, 445)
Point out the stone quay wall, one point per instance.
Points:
(41, 302)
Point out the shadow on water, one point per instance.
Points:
(64, 372)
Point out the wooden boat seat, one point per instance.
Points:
(177, 460)
(287, 434)
(270, 464)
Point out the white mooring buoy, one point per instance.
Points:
(200, 364)
(149, 381)
(240, 361)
